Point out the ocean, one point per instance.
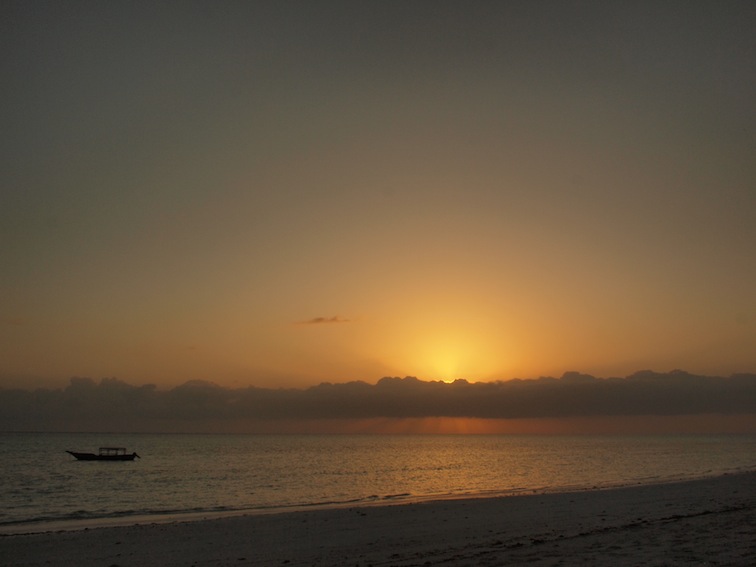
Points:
(181, 475)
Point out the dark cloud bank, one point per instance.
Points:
(115, 405)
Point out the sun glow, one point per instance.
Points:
(443, 361)
(442, 328)
(450, 356)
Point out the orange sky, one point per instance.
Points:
(280, 194)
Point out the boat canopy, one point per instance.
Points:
(112, 450)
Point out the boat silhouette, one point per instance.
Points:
(106, 454)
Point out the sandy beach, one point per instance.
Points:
(699, 522)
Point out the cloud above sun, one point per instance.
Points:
(324, 320)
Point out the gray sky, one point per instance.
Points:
(469, 189)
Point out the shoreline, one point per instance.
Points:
(711, 519)
(128, 520)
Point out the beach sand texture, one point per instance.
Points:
(698, 522)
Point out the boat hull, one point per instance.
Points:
(95, 457)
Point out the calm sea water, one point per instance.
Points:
(183, 474)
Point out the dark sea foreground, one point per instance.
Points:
(710, 521)
(190, 475)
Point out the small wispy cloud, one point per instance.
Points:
(324, 320)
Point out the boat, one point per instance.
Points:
(106, 454)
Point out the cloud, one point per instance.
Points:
(112, 404)
(324, 320)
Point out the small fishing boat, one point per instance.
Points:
(106, 454)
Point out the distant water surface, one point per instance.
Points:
(184, 474)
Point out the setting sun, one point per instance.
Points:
(448, 356)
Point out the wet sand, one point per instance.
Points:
(709, 521)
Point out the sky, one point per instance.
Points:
(280, 194)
